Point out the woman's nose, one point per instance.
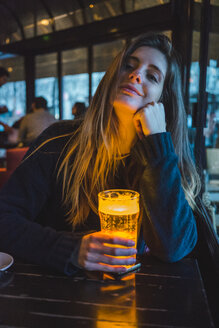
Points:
(135, 77)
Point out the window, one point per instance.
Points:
(48, 88)
(75, 79)
(13, 93)
(103, 55)
(46, 84)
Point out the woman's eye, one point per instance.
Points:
(152, 77)
(128, 66)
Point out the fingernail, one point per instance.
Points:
(131, 243)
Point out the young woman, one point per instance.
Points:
(133, 136)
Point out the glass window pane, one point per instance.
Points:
(103, 55)
(76, 89)
(194, 70)
(211, 131)
(96, 78)
(13, 93)
(24, 10)
(142, 4)
(193, 84)
(75, 79)
(212, 88)
(103, 10)
(214, 2)
(46, 84)
(48, 88)
(44, 22)
(13, 96)
(68, 15)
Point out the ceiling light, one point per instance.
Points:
(113, 30)
(44, 22)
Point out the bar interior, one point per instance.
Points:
(53, 56)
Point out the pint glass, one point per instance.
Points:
(119, 211)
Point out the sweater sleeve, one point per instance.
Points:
(21, 200)
(169, 227)
(22, 130)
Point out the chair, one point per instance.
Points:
(207, 254)
(13, 158)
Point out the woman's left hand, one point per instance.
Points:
(150, 119)
(101, 251)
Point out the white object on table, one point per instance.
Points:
(6, 261)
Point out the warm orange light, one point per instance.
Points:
(10, 69)
(44, 22)
(114, 30)
(124, 204)
(120, 309)
(91, 5)
(7, 40)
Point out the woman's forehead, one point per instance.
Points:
(150, 56)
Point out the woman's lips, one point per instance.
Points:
(130, 89)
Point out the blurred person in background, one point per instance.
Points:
(211, 132)
(35, 123)
(9, 137)
(4, 75)
(78, 109)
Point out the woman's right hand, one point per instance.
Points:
(94, 253)
(150, 119)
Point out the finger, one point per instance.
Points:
(115, 251)
(141, 118)
(152, 118)
(111, 260)
(110, 239)
(142, 108)
(138, 127)
(104, 267)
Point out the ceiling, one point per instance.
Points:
(23, 19)
(26, 20)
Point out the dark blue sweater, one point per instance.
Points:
(33, 223)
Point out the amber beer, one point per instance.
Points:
(119, 211)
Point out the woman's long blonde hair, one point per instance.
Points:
(91, 158)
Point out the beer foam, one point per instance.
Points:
(118, 202)
(126, 207)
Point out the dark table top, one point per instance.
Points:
(159, 295)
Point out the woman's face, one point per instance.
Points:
(141, 80)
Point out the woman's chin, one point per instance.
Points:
(128, 106)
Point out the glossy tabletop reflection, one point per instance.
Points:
(159, 295)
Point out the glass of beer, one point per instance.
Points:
(119, 211)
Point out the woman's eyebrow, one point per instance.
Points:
(133, 58)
